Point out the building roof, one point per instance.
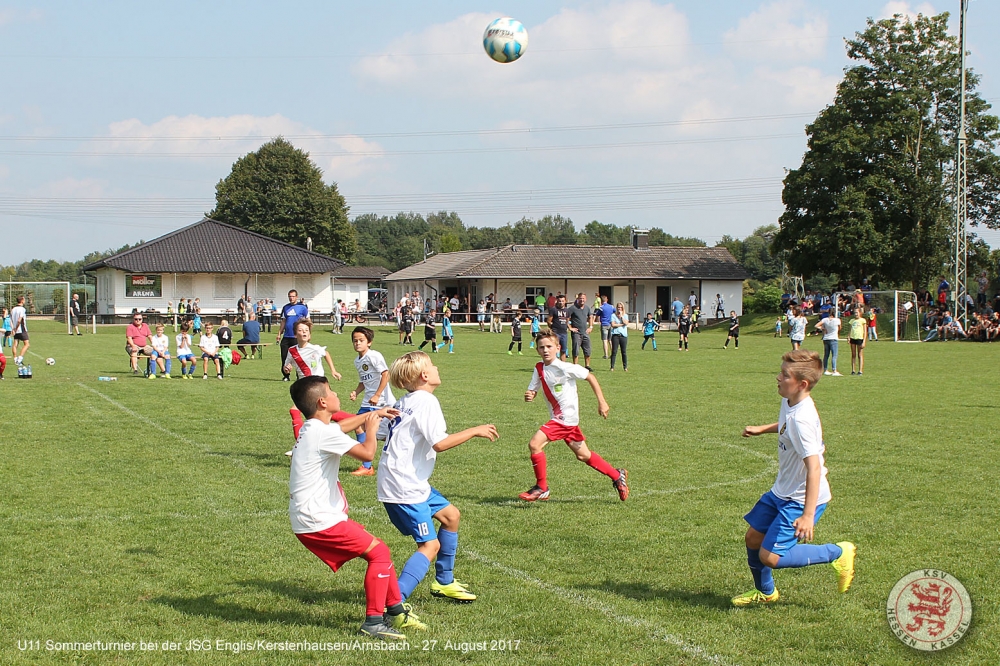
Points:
(361, 272)
(210, 246)
(580, 262)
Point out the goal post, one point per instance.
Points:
(896, 313)
(48, 299)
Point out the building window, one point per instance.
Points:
(184, 287)
(531, 292)
(223, 287)
(304, 285)
(265, 286)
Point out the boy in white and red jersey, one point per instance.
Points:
(306, 358)
(557, 380)
(317, 506)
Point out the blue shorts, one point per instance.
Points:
(773, 517)
(156, 354)
(563, 349)
(481, 318)
(186, 357)
(416, 520)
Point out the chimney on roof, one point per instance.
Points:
(640, 239)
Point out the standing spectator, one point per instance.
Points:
(830, 326)
(872, 323)
(720, 307)
(455, 303)
(290, 313)
(7, 328)
(19, 324)
(607, 310)
(558, 321)
(692, 301)
(338, 318)
(619, 336)
(74, 314)
(481, 314)
(676, 307)
(984, 283)
(267, 309)
(251, 335)
(942, 291)
(540, 301)
(797, 327)
(581, 322)
(136, 340)
(856, 337)
(241, 309)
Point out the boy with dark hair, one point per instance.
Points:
(317, 506)
(734, 330)
(557, 380)
(515, 336)
(649, 329)
(782, 521)
(430, 332)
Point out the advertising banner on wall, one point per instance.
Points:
(143, 286)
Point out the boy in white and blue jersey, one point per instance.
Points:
(782, 521)
(373, 383)
(416, 436)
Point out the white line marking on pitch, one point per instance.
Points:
(586, 601)
(150, 422)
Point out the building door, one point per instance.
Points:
(663, 300)
(609, 292)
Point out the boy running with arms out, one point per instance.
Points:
(782, 521)
(317, 506)
(416, 436)
(557, 379)
(373, 384)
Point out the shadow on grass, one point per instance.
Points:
(212, 605)
(259, 459)
(645, 592)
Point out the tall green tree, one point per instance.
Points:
(277, 191)
(754, 253)
(874, 195)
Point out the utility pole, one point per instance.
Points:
(961, 240)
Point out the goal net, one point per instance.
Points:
(41, 299)
(896, 316)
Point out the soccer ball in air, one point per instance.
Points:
(50, 361)
(505, 40)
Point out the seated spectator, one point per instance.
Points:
(209, 345)
(251, 335)
(160, 354)
(137, 341)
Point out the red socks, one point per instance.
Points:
(598, 463)
(297, 422)
(538, 465)
(381, 586)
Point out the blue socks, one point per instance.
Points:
(413, 572)
(166, 364)
(804, 554)
(763, 579)
(654, 343)
(361, 440)
(451, 347)
(444, 563)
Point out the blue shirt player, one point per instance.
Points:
(649, 328)
(782, 521)
(447, 333)
(290, 313)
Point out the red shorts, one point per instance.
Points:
(555, 430)
(338, 544)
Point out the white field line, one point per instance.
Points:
(181, 438)
(656, 631)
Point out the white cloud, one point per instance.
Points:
(783, 30)
(10, 15)
(801, 87)
(907, 9)
(231, 136)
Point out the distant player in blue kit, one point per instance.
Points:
(416, 436)
(447, 334)
(649, 329)
(782, 521)
(373, 385)
(536, 327)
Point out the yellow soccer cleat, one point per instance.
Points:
(405, 620)
(756, 597)
(845, 566)
(454, 591)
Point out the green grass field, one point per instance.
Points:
(157, 511)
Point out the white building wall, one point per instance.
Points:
(112, 300)
(731, 292)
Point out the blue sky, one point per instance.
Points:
(118, 118)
